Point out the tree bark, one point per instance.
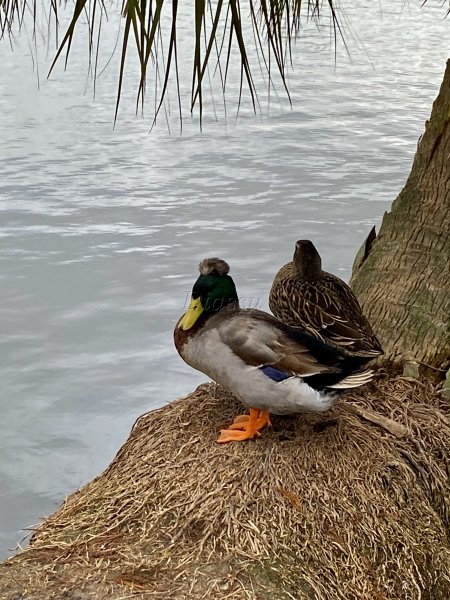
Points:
(402, 278)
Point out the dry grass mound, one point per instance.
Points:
(349, 505)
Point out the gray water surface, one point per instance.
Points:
(101, 231)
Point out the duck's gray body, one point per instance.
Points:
(232, 346)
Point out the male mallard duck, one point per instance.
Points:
(269, 366)
(303, 295)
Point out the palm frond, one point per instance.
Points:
(219, 30)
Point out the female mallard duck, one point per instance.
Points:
(303, 295)
(269, 366)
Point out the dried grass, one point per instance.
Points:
(350, 505)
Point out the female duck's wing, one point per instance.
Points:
(349, 320)
(261, 340)
(328, 309)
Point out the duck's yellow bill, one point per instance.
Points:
(194, 310)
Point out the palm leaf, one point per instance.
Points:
(275, 23)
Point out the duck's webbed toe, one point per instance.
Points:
(245, 427)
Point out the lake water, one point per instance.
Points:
(101, 231)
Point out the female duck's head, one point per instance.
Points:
(307, 261)
(213, 291)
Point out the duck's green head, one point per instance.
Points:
(213, 291)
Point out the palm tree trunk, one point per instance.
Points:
(402, 278)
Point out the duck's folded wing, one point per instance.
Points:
(259, 341)
(341, 322)
(324, 314)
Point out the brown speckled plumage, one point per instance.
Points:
(303, 295)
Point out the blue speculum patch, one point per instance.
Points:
(275, 374)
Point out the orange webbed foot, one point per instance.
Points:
(245, 427)
(241, 419)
